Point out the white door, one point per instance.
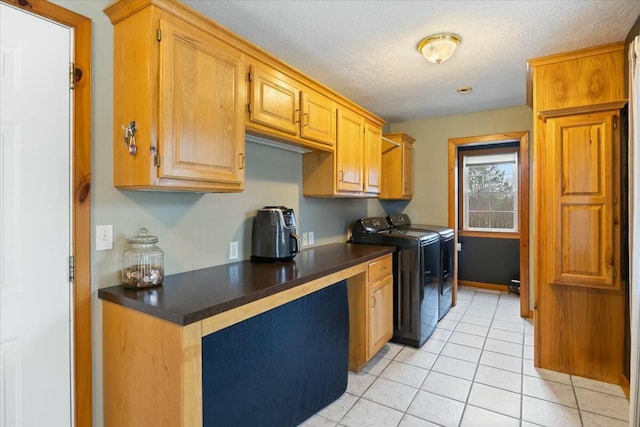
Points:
(35, 328)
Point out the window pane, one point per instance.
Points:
(490, 191)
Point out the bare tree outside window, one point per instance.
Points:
(490, 194)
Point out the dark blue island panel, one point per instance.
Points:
(280, 367)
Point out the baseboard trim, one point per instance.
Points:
(626, 387)
(481, 285)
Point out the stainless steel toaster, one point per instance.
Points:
(274, 234)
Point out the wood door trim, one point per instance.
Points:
(81, 206)
(523, 137)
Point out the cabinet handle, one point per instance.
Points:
(241, 160)
(129, 136)
(296, 120)
(373, 302)
(340, 176)
(307, 116)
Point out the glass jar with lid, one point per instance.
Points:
(142, 262)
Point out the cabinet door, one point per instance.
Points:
(380, 314)
(275, 100)
(349, 151)
(201, 106)
(407, 169)
(582, 200)
(372, 158)
(318, 122)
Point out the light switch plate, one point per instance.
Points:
(305, 239)
(311, 238)
(104, 237)
(233, 250)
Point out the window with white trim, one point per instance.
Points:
(490, 192)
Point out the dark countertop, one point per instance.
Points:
(188, 297)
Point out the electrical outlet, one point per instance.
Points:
(459, 247)
(305, 239)
(233, 250)
(311, 238)
(104, 237)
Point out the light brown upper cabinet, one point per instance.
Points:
(349, 152)
(279, 105)
(189, 89)
(184, 89)
(397, 167)
(372, 158)
(579, 290)
(353, 170)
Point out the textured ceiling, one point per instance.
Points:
(366, 50)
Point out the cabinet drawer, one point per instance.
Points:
(379, 268)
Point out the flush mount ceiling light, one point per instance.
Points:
(438, 48)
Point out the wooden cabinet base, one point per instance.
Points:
(151, 368)
(155, 373)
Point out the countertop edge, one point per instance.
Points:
(183, 319)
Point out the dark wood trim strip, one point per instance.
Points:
(81, 227)
(489, 234)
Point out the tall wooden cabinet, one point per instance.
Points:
(397, 167)
(179, 88)
(579, 306)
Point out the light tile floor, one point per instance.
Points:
(476, 370)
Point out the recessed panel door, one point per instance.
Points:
(35, 292)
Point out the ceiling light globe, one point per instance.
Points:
(438, 48)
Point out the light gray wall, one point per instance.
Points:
(194, 230)
(431, 188)
(430, 199)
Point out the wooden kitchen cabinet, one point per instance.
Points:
(380, 288)
(372, 158)
(183, 87)
(349, 152)
(282, 107)
(579, 287)
(370, 311)
(584, 221)
(352, 170)
(176, 341)
(397, 167)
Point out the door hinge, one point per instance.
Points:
(72, 273)
(250, 76)
(615, 122)
(156, 160)
(249, 107)
(72, 76)
(159, 34)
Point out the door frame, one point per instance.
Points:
(81, 204)
(523, 218)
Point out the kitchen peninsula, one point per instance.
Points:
(182, 354)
